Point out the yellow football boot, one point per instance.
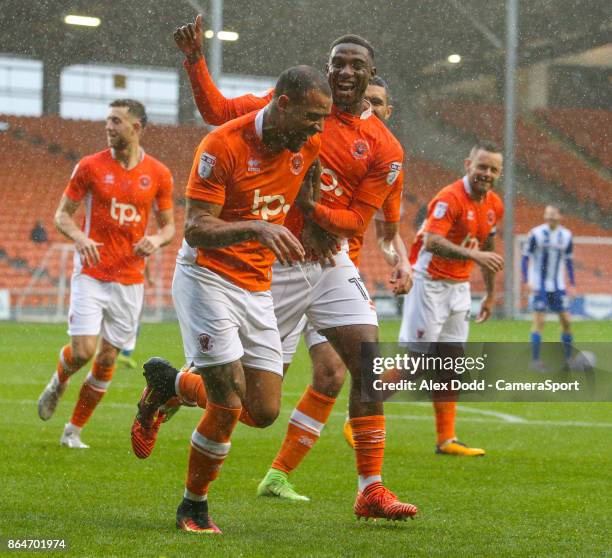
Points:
(455, 447)
(348, 433)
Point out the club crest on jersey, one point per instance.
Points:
(440, 210)
(205, 342)
(253, 165)
(360, 148)
(393, 173)
(491, 217)
(207, 162)
(144, 182)
(296, 164)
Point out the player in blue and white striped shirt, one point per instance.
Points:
(546, 258)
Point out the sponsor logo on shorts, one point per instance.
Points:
(296, 164)
(360, 148)
(124, 212)
(205, 341)
(205, 167)
(144, 182)
(440, 210)
(420, 333)
(393, 173)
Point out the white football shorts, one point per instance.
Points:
(105, 307)
(329, 296)
(435, 311)
(221, 322)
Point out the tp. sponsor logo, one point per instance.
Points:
(329, 182)
(268, 206)
(109, 179)
(124, 212)
(205, 167)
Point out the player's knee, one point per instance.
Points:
(82, 353)
(265, 415)
(328, 379)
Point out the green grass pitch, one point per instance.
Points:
(542, 490)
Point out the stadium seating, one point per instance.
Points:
(545, 158)
(589, 129)
(37, 156)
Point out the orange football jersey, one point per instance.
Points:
(234, 169)
(361, 159)
(454, 215)
(117, 207)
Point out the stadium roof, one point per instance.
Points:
(412, 39)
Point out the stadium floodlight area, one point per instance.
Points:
(593, 271)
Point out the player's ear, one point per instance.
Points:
(373, 71)
(282, 102)
(389, 110)
(466, 164)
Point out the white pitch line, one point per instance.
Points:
(392, 416)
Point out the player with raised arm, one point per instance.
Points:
(459, 232)
(245, 177)
(547, 256)
(119, 187)
(361, 162)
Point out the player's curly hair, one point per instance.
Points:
(134, 107)
(354, 40)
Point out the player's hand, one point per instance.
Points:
(319, 244)
(88, 251)
(188, 39)
(146, 246)
(281, 241)
(488, 260)
(401, 279)
(388, 251)
(306, 196)
(486, 309)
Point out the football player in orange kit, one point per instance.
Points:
(361, 162)
(119, 186)
(245, 177)
(458, 233)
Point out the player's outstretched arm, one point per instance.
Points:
(64, 222)
(214, 107)
(204, 229)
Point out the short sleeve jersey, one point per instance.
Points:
(234, 169)
(360, 157)
(454, 215)
(118, 203)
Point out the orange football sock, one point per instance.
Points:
(445, 420)
(305, 425)
(210, 444)
(191, 389)
(369, 437)
(92, 391)
(65, 365)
